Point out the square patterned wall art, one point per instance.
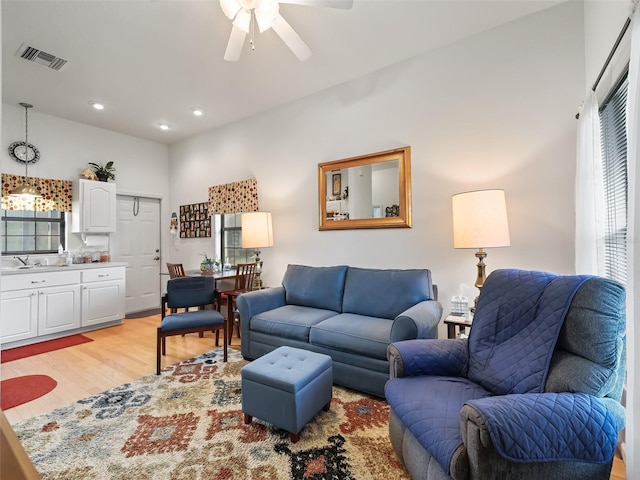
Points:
(195, 221)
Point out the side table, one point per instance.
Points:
(459, 321)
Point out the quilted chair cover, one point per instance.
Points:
(533, 393)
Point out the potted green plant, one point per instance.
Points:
(104, 172)
(208, 265)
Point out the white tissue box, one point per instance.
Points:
(459, 304)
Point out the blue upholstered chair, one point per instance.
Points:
(184, 293)
(533, 393)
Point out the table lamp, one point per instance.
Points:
(257, 233)
(480, 221)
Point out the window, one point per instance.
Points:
(27, 231)
(229, 229)
(614, 162)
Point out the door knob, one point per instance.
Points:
(157, 250)
(156, 258)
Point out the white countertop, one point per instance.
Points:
(61, 268)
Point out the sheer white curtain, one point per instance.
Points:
(589, 193)
(633, 254)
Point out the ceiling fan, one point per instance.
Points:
(266, 13)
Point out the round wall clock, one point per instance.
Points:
(23, 154)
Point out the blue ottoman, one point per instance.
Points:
(286, 388)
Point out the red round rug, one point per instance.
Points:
(18, 390)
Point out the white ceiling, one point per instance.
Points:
(150, 61)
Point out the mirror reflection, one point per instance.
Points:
(367, 191)
(370, 191)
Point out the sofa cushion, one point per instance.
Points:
(429, 406)
(289, 321)
(368, 336)
(319, 287)
(384, 293)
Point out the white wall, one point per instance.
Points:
(494, 111)
(385, 187)
(603, 20)
(66, 148)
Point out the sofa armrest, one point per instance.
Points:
(419, 321)
(252, 303)
(446, 357)
(538, 428)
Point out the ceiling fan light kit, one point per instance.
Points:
(242, 11)
(266, 13)
(230, 8)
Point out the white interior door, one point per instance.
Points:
(137, 242)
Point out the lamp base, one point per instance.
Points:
(481, 275)
(257, 281)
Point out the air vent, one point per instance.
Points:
(40, 57)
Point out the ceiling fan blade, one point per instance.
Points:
(243, 20)
(291, 38)
(345, 4)
(234, 47)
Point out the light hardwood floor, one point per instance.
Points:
(117, 355)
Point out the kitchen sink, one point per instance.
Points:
(23, 267)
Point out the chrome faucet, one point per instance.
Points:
(24, 261)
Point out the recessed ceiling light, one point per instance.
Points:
(198, 112)
(163, 126)
(97, 105)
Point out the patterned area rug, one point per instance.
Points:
(187, 424)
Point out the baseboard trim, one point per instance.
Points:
(143, 313)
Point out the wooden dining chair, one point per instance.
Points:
(175, 270)
(245, 275)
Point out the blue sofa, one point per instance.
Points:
(351, 314)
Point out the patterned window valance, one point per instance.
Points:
(56, 194)
(234, 197)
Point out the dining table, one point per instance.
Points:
(217, 275)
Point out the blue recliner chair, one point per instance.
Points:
(533, 393)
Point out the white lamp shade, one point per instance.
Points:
(257, 230)
(480, 219)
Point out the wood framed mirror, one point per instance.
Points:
(369, 191)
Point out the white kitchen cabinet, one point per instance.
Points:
(58, 309)
(94, 207)
(39, 304)
(103, 295)
(19, 315)
(46, 303)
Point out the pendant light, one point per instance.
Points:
(26, 190)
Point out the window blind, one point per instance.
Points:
(614, 160)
